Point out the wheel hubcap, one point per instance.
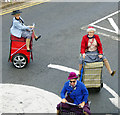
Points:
(19, 61)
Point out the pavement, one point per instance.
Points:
(8, 7)
(8, 4)
(4, 5)
(21, 100)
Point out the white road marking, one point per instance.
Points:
(109, 36)
(114, 25)
(62, 68)
(113, 100)
(103, 34)
(105, 17)
(106, 29)
(17, 98)
(66, 69)
(100, 27)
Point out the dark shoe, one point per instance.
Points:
(113, 73)
(38, 37)
(29, 50)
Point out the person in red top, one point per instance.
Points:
(92, 51)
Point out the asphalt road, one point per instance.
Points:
(60, 25)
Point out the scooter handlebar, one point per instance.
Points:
(74, 104)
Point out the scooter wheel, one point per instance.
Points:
(19, 61)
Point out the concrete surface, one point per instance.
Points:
(26, 99)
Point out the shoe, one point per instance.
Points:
(29, 50)
(38, 37)
(113, 73)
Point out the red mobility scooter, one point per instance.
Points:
(18, 52)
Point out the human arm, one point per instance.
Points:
(20, 26)
(63, 92)
(100, 49)
(83, 46)
(27, 26)
(85, 95)
(31, 26)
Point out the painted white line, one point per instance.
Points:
(104, 28)
(105, 17)
(15, 98)
(63, 68)
(109, 36)
(111, 91)
(103, 34)
(18, 50)
(116, 98)
(114, 25)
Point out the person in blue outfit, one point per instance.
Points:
(76, 92)
(19, 29)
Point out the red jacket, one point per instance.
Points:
(84, 44)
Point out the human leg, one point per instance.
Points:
(27, 34)
(86, 110)
(108, 67)
(86, 113)
(36, 37)
(58, 112)
(62, 107)
(28, 44)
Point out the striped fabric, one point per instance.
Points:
(92, 76)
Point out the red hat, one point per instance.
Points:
(72, 75)
(90, 28)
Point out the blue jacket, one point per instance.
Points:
(18, 27)
(79, 94)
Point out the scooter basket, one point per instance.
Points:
(92, 74)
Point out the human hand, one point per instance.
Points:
(82, 104)
(100, 56)
(31, 26)
(34, 24)
(64, 100)
(84, 56)
(79, 75)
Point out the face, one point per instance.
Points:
(17, 16)
(73, 82)
(91, 33)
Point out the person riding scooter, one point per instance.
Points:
(19, 29)
(92, 51)
(77, 93)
